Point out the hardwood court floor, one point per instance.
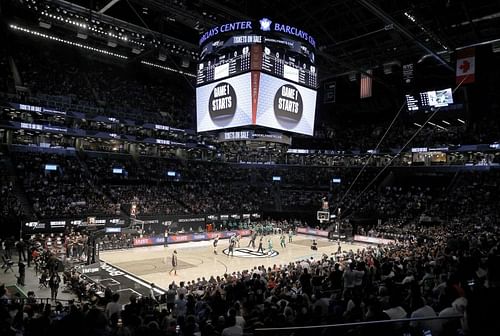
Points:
(196, 259)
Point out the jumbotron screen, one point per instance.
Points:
(269, 102)
(283, 61)
(428, 99)
(285, 106)
(259, 73)
(224, 104)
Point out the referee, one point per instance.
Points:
(174, 263)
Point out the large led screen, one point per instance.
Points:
(285, 106)
(255, 99)
(225, 103)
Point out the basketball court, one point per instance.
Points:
(197, 259)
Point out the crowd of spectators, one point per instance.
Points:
(360, 136)
(304, 187)
(474, 196)
(447, 266)
(125, 91)
(205, 198)
(193, 186)
(10, 207)
(149, 199)
(104, 167)
(449, 270)
(444, 260)
(392, 201)
(88, 186)
(65, 191)
(115, 90)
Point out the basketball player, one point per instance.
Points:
(314, 245)
(232, 242)
(261, 249)
(216, 241)
(174, 263)
(252, 239)
(290, 235)
(269, 246)
(282, 241)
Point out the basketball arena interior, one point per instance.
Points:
(237, 167)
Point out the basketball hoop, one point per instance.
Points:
(323, 216)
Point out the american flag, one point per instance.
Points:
(366, 84)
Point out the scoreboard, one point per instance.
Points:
(230, 63)
(279, 90)
(289, 67)
(429, 99)
(282, 58)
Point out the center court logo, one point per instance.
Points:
(247, 253)
(265, 24)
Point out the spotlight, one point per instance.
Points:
(54, 38)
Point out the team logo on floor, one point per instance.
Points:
(248, 253)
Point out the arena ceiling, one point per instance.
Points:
(352, 35)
